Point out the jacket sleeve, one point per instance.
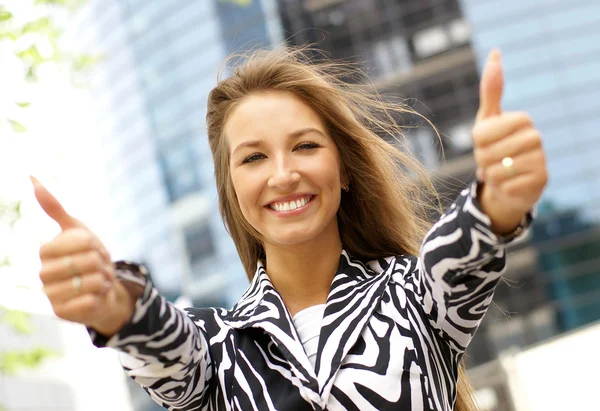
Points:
(460, 264)
(161, 348)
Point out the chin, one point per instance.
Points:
(291, 237)
(290, 240)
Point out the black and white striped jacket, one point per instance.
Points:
(393, 332)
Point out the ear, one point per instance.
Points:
(344, 177)
(344, 183)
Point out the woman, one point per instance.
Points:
(328, 219)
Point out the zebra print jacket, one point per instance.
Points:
(393, 332)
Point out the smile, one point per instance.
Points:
(291, 205)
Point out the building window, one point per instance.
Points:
(199, 243)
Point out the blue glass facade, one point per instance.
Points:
(431, 52)
(161, 61)
(551, 52)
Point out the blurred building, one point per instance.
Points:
(159, 62)
(551, 52)
(433, 51)
(410, 49)
(552, 55)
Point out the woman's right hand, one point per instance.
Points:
(78, 274)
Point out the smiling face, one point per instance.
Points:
(285, 169)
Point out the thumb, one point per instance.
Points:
(491, 87)
(52, 206)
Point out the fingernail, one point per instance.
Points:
(495, 55)
(34, 180)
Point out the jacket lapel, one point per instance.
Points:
(261, 307)
(355, 293)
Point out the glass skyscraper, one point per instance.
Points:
(159, 61)
(433, 51)
(551, 51)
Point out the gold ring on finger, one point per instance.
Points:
(76, 281)
(507, 163)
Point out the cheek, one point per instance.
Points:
(246, 191)
(329, 172)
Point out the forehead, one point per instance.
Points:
(269, 114)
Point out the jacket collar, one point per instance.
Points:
(354, 294)
(261, 301)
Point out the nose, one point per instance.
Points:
(283, 175)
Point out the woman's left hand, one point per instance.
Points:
(509, 154)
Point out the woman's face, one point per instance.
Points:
(285, 169)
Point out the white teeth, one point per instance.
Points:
(292, 205)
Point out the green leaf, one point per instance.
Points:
(12, 361)
(5, 261)
(68, 4)
(16, 126)
(31, 54)
(31, 74)
(84, 62)
(18, 320)
(22, 104)
(5, 14)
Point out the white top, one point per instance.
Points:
(308, 325)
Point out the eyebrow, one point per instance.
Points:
(292, 135)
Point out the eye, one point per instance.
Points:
(253, 158)
(306, 146)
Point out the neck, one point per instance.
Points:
(302, 274)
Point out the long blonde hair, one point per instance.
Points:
(387, 210)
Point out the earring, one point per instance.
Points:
(345, 188)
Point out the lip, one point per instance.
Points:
(290, 198)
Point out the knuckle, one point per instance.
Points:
(44, 251)
(60, 311)
(98, 261)
(540, 156)
(482, 157)
(89, 305)
(478, 132)
(525, 117)
(512, 190)
(544, 179)
(83, 236)
(96, 283)
(535, 136)
(90, 238)
(493, 174)
(77, 233)
(45, 274)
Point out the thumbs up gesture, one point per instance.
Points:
(508, 152)
(77, 272)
